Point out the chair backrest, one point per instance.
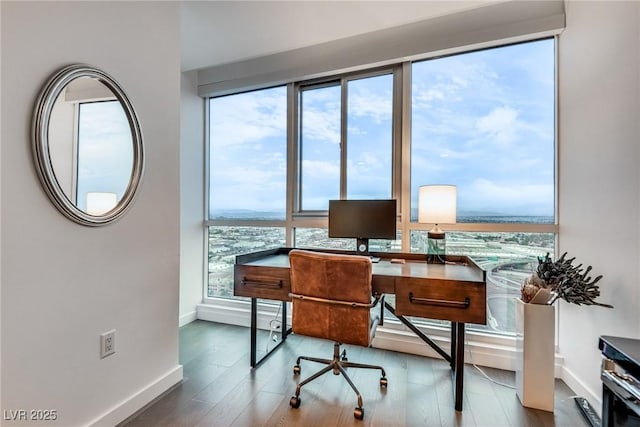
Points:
(339, 279)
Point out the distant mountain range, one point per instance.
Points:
(468, 216)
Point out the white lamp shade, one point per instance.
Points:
(437, 204)
(100, 203)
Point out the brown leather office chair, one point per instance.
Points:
(331, 297)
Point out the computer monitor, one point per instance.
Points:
(363, 220)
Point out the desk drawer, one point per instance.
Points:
(261, 282)
(442, 299)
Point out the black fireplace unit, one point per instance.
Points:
(620, 376)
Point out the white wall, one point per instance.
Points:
(64, 284)
(191, 200)
(599, 177)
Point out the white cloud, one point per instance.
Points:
(105, 148)
(248, 117)
(319, 168)
(365, 103)
(493, 195)
(365, 162)
(429, 95)
(500, 125)
(251, 169)
(451, 80)
(447, 153)
(237, 187)
(321, 125)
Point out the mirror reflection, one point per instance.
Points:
(87, 145)
(90, 145)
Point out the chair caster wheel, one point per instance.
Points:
(296, 370)
(294, 402)
(383, 382)
(358, 413)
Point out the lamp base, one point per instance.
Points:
(438, 235)
(436, 247)
(435, 259)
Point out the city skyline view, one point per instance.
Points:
(508, 259)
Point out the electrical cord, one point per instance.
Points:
(481, 371)
(491, 379)
(272, 328)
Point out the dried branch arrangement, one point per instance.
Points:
(564, 280)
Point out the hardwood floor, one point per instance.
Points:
(220, 389)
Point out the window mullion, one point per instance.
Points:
(405, 156)
(293, 162)
(344, 105)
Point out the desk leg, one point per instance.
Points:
(283, 326)
(254, 330)
(458, 361)
(454, 341)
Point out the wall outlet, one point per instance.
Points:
(107, 343)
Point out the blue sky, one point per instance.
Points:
(482, 120)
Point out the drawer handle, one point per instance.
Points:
(439, 302)
(261, 283)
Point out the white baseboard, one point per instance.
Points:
(137, 401)
(479, 353)
(580, 389)
(187, 318)
(487, 353)
(239, 314)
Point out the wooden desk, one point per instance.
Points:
(454, 291)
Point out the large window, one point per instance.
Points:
(248, 155)
(247, 179)
(346, 140)
(320, 124)
(482, 120)
(485, 122)
(369, 137)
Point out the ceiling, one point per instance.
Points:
(221, 32)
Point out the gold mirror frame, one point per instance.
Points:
(41, 153)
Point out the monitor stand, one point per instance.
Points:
(362, 248)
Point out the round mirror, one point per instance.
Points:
(87, 145)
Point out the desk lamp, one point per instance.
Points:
(99, 203)
(437, 205)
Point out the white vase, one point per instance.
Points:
(535, 355)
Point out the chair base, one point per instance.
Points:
(337, 365)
